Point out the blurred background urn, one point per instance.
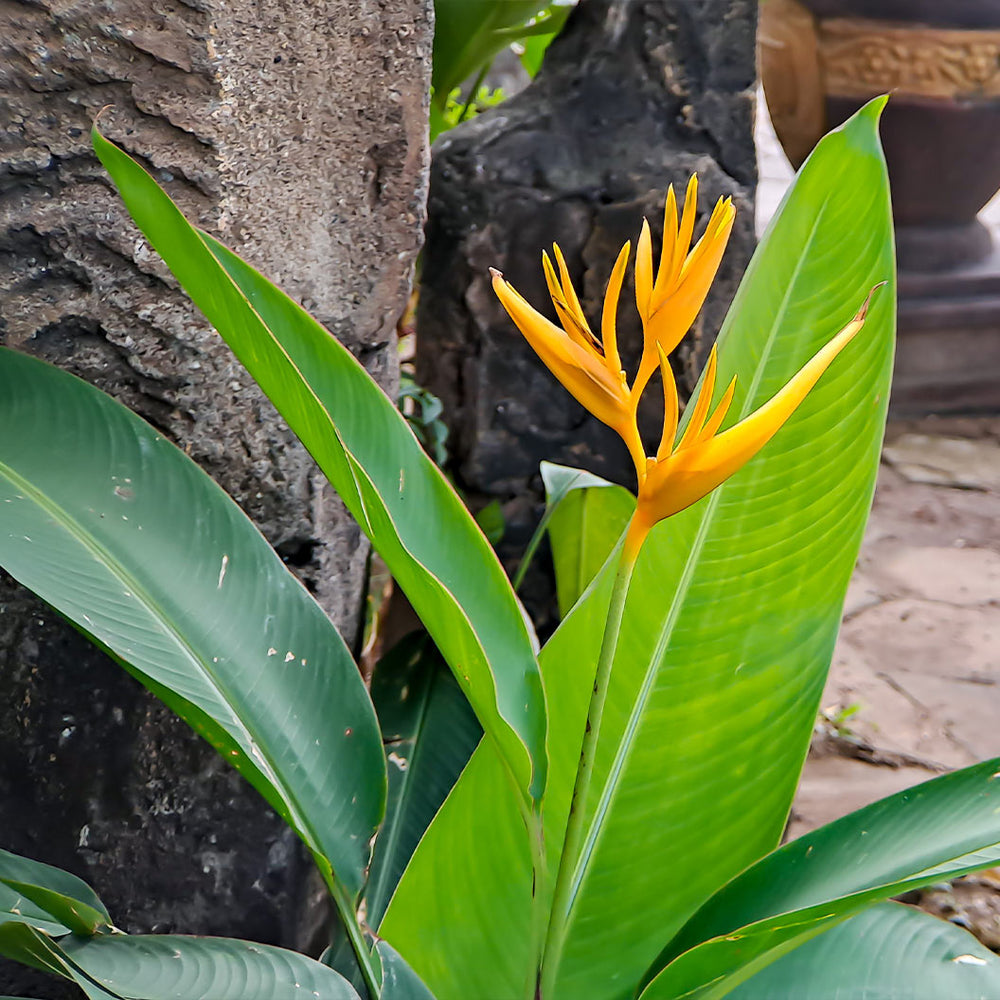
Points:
(822, 59)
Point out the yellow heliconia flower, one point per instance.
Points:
(590, 369)
(669, 303)
(682, 472)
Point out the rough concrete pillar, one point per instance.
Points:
(633, 95)
(296, 132)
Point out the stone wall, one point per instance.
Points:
(295, 132)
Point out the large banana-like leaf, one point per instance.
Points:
(585, 515)
(48, 898)
(888, 952)
(727, 636)
(129, 539)
(29, 945)
(940, 829)
(171, 966)
(474, 939)
(735, 607)
(362, 443)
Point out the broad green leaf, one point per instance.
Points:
(473, 941)
(48, 898)
(414, 518)
(561, 482)
(76, 916)
(940, 829)
(469, 33)
(399, 981)
(173, 966)
(727, 637)
(888, 952)
(586, 515)
(736, 602)
(129, 539)
(30, 946)
(429, 732)
(470, 940)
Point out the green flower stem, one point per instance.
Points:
(539, 898)
(562, 901)
(355, 935)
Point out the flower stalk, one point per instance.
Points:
(562, 899)
(682, 471)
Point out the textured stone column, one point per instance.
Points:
(296, 132)
(633, 95)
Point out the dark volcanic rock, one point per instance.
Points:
(633, 96)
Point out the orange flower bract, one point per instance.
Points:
(684, 471)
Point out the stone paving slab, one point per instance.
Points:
(915, 678)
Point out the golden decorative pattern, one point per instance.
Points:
(861, 58)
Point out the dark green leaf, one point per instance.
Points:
(175, 967)
(888, 952)
(127, 537)
(60, 901)
(416, 521)
(28, 945)
(429, 732)
(934, 831)
(399, 981)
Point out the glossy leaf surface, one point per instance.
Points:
(129, 539)
(586, 515)
(414, 518)
(728, 632)
(474, 939)
(736, 602)
(934, 831)
(171, 966)
(888, 952)
(48, 898)
(429, 732)
(29, 945)
(399, 981)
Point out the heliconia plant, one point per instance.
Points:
(598, 819)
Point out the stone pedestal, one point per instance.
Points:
(820, 60)
(948, 352)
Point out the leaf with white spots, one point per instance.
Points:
(148, 590)
(175, 967)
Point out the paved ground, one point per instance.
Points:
(915, 684)
(914, 688)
